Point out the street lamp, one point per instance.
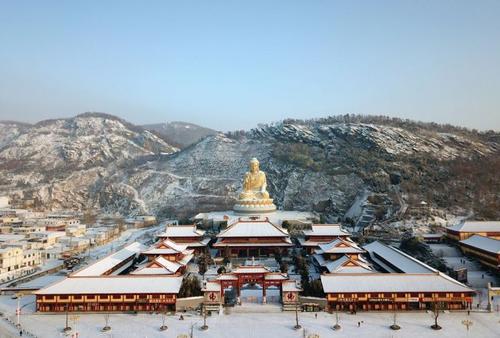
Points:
(205, 326)
(297, 325)
(67, 327)
(18, 310)
(106, 327)
(336, 326)
(163, 327)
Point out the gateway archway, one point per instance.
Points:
(252, 284)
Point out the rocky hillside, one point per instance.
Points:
(62, 160)
(359, 168)
(181, 134)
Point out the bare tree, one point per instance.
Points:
(436, 308)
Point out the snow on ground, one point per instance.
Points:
(477, 276)
(261, 325)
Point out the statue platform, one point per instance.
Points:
(254, 206)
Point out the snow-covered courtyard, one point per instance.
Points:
(259, 322)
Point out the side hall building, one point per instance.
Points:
(394, 291)
(110, 294)
(467, 229)
(486, 250)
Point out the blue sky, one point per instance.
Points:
(233, 64)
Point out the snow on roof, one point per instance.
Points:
(109, 262)
(275, 276)
(200, 243)
(172, 266)
(476, 226)
(113, 285)
(162, 251)
(326, 230)
(227, 276)
(211, 286)
(251, 269)
(290, 286)
(152, 271)
(484, 243)
(383, 254)
(159, 265)
(339, 246)
(320, 259)
(390, 282)
(184, 260)
(182, 231)
(173, 245)
(253, 228)
(220, 243)
(343, 264)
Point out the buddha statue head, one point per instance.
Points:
(254, 165)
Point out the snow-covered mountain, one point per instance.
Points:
(62, 160)
(324, 165)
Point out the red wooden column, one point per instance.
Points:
(238, 291)
(264, 299)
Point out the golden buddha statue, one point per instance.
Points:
(254, 183)
(254, 197)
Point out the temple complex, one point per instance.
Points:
(375, 276)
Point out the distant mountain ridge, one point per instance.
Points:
(181, 134)
(387, 166)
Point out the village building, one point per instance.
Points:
(319, 234)
(486, 250)
(252, 236)
(394, 291)
(467, 229)
(187, 235)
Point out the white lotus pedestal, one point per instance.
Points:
(254, 206)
